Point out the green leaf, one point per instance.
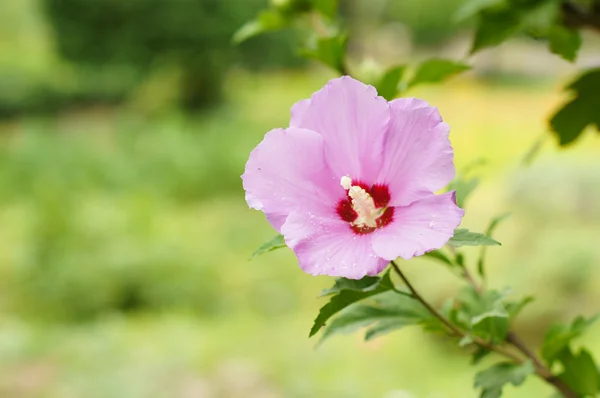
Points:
(385, 326)
(479, 354)
(471, 8)
(495, 25)
(438, 255)
(501, 20)
(492, 380)
(364, 285)
(463, 187)
(437, 70)
(538, 17)
(490, 230)
(514, 308)
(267, 20)
(570, 121)
(564, 42)
(329, 50)
(387, 87)
(493, 324)
(559, 337)
(464, 237)
(276, 243)
(485, 314)
(450, 310)
(581, 372)
(497, 311)
(389, 310)
(346, 297)
(465, 341)
(326, 7)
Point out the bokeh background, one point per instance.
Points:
(124, 235)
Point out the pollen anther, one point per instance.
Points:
(362, 203)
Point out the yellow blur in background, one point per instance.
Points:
(125, 238)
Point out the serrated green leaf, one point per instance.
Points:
(484, 314)
(493, 324)
(564, 42)
(501, 20)
(472, 7)
(580, 372)
(365, 284)
(537, 17)
(464, 237)
(498, 311)
(438, 255)
(436, 70)
(326, 7)
(347, 297)
(393, 309)
(267, 21)
(570, 121)
(489, 231)
(276, 243)
(559, 337)
(387, 87)
(329, 50)
(514, 308)
(495, 25)
(492, 380)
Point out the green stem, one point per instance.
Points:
(513, 339)
(540, 369)
(455, 330)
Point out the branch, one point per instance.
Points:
(455, 330)
(513, 339)
(540, 369)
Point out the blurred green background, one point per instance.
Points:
(125, 239)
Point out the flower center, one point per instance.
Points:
(365, 208)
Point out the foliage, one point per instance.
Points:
(559, 23)
(386, 312)
(276, 243)
(107, 51)
(492, 380)
(582, 111)
(479, 319)
(559, 337)
(346, 297)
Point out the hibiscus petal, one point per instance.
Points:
(327, 246)
(287, 171)
(418, 156)
(353, 121)
(298, 110)
(424, 225)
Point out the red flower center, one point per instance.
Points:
(381, 198)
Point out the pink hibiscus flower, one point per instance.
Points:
(350, 184)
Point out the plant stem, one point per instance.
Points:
(540, 369)
(455, 330)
